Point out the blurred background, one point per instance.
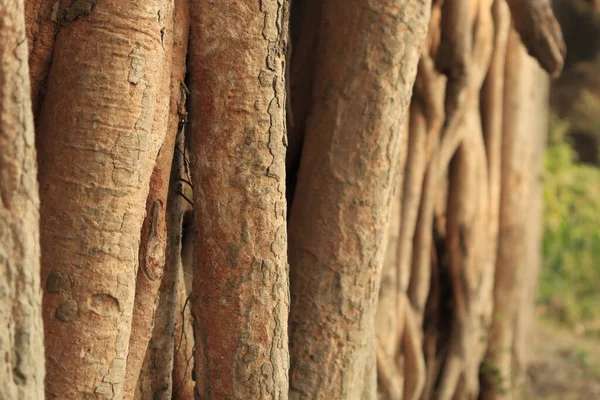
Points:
(567, 353)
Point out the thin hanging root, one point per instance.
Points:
(431, 332)
(414, 367)
(388, 375)
(540, 33)
(426, 118)
(430, 89)
(454, 54)
(452, 371)
(421, 263)
(413, 184)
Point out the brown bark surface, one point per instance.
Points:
(519, 141)
(183, 363)
(492, 100)
(100, 129)
(21, 331)
(367, 58)
(42, 23)
(153, 245)
(413, 219)
(525, 330)
(156, 378)
(237, 131)
(540, 32)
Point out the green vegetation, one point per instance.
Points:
(570, 281)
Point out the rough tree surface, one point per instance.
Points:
(100, 129)
(237, 132)
(350, 211)
(367, 58)
(21, 343)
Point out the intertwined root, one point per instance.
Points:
(445, 263)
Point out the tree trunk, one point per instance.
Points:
(156, 378)
(412, 218)
(100, 130)
(21, 331)
(237, 131)
(41, 21)
(153, 244)
(526, 319)
(363, 80)
(388, 319)
(521, 131)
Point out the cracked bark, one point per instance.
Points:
(21, 331)
(153, 244)
(156, 379)
(100, 130)
(366, 65)
(237, 133)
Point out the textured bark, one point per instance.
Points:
(99, 135)
(240, 298)
(367, 58)
(387, 326)
(520, 118)
(154, 229)
(156, 376)
(21, 331)
(41, 20)
(143, 387)
(163, 340)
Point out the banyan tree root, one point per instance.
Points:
(154, 236)
(540, 32)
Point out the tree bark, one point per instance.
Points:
(240, 298)
(367, 59)
(153, 246)
(100, 130)
(519, 141)
(42, 23)
(492, 98)
(157, 376)
(183, 363)
(21, 331)
(526, 319)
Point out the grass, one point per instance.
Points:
(570, 280)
